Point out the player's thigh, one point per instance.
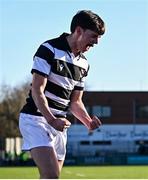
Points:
(45, 159)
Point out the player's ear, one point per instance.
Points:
(79, 30)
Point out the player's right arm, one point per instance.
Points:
(38, 87)
(79, 111)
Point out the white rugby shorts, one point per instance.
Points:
(37, 132)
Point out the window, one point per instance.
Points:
(102, 143)
(101, 111)
(142, 111)
(85, 142)
(141, 142)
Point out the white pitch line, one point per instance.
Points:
(81, 175)
(68, 172)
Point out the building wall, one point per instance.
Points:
(107, 138)
(125, 107)
(124, 117)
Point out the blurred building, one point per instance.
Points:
(122, 138)
(124, 129)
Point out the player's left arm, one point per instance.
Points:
(79, 111)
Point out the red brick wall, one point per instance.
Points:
(121, 103)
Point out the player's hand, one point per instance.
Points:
(95, 123)
(60, 124)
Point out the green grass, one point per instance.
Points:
(80, 172)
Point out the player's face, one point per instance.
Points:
(87, 39)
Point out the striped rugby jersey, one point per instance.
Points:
(65, 73)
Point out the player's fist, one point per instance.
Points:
(95, 123)
(60, 124)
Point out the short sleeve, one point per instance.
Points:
(42, 60)
(80, 85)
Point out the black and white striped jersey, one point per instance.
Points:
(65, 73)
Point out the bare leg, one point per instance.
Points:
(60, 162)
(46, 161)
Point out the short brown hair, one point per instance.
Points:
(88, 20)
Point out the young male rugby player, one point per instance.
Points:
(59, 71)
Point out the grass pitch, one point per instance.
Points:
(80, 172)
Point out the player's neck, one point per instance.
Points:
(73, 44)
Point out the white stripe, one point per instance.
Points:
(77, 61)
(41, 65)
(64, 56)
(80, 84)
(51, 48)
(62, 81)
(57, 99)
(58, 54)
(57, 112)
(80, 62)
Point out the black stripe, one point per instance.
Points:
(60, 116)
(60, 43)
(39, 72)
(78, 88)
(68, 70)
(58, 90)
(56, 105)
(31, 113)
(30, 107)
(45, 53)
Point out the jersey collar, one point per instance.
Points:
(64, 43)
